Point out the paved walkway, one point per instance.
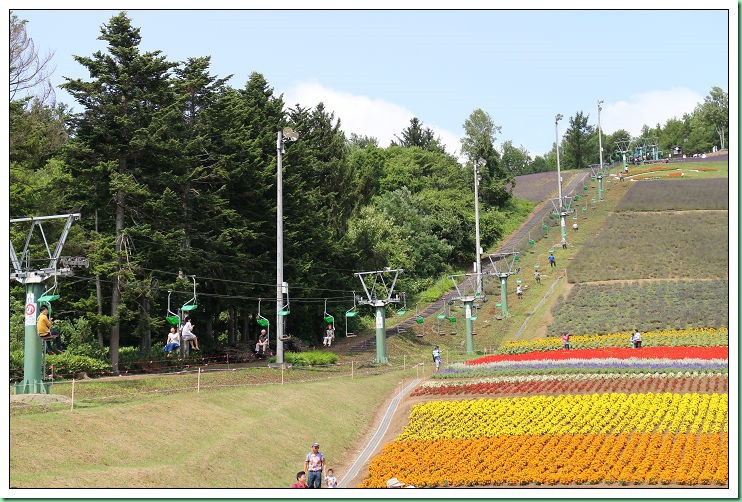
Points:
(365, 456)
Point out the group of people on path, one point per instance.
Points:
(311, 476)
(184, 334)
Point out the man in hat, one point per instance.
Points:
(313, 466)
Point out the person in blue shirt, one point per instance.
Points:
(552, 260)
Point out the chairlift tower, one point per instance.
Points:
(379, 294)
(562, 207)
(597, 173)
(470, 294)
(652, 146)
(503, 266)
(33, 280)
(623, 147)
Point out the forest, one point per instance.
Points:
(173, 171)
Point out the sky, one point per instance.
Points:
(377, 69)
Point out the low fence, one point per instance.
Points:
(203, 378)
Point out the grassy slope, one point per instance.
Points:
(237, 438)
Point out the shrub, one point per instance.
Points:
(68, 365)
(79, 339)
(310, 358)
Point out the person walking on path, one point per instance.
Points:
(537, 276)
(519, 292)
(565, 339)
(437, 357)
(552, 260)
(313, 465)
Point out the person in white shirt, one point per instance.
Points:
(329, 336)
(187, 334)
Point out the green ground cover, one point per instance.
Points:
(609, 308)
(642, 245)
(677, 194)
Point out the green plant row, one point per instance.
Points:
(659, 245)
(650, 306)
(676, 195)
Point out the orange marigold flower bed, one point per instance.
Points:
(556, 459)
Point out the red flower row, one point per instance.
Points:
(611, 353)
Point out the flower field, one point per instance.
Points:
(599, 415)
(704, 337)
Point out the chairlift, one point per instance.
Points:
(172, 318)
(403, 310)
(49, 296)
(352, 312)
(191, 304)
(329, 319)
(285, 309)
(262, 321)
(419, 320)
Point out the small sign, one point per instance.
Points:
(379, 319)
(30, 310)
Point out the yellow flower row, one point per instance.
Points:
(568, 414)
(670, 338)
(625, 459)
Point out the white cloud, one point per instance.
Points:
(363, 115)
(649, 108)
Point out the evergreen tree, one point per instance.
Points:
(416, 135)
(111, 152)
(576, 153)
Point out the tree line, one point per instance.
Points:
(173, 171)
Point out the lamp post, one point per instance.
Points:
(600, 140)
(559, 173)
(478, 162)
(290, 135)
(600, 149)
